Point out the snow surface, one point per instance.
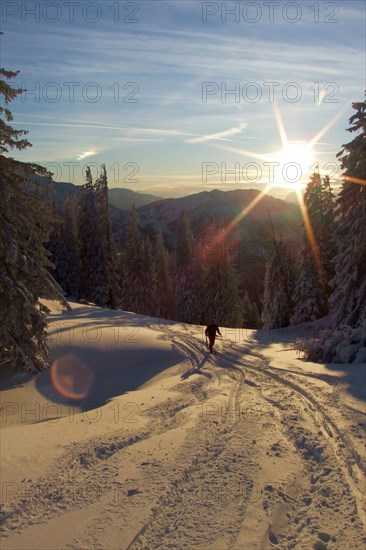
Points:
(173, 448)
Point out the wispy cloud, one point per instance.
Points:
(85, 155)
(136, 140)
(172, 52)
(222, 136)
(135, 130)
(168, 57)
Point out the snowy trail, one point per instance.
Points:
(349, 458)
(220, 452)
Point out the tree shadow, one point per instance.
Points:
(189, 373)
(353, 375)
(108, 316)
(197, 370)
(10, 380)
(113, 373)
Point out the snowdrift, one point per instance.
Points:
(137, 437)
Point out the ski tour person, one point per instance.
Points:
(210, 333)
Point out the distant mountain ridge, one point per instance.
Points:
(205, 207)
(125, 199)
(221, 207)
(119, 197)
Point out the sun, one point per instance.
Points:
(294, 164)
(298, 152)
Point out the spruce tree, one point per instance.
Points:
(185, 278)
(133, 275)
(198, 272)
(64, 247)
(164, 280)
(348, 300)
(327, 241)
(185, 299)
(184, 242)
(148, 289)
(308, 295)
(315, 268)
(221, 300)
(108, 247)
(250, 313)
(278, 287)
(93, 287)
(319, 204)
(24, 262)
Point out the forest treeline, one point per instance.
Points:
(71, 251)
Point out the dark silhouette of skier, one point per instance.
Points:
(210, 332)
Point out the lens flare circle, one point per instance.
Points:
(71, 377)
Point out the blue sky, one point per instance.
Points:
(140, 86)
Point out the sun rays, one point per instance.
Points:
(298, 153)
(232, 225)
(311, 238)
(353, 180)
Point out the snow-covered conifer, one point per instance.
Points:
(148, 289)
(348, 300)
(133, 275)
(278, 287)
(108, 250)
(164, 280)
(184, 242)
(185, 299)
(64, 247)
(185, 273)
(250, 313)
(221, 300)
(308, 295)
(93, 287)
(315, 267)
(24, 262)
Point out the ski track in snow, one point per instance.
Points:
(248, 457)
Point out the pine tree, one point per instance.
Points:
(115, 289)
(164, 280)
(315, 268)
(100, 191)
(221, 300)
(93, 286)
(149, 298)
(278, 287)
(198, 271)
(319, 203)
(185, 277)
(327, 242)
(250, 313)
(108, 248)
(348, 300)
(133, 275)
(308, 295)
(184, 242)
(64, 247)
(185, 300)
(24, 262)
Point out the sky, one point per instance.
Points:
(176, 97)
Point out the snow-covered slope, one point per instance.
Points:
(169, 447)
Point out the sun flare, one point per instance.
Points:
(295, 164)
